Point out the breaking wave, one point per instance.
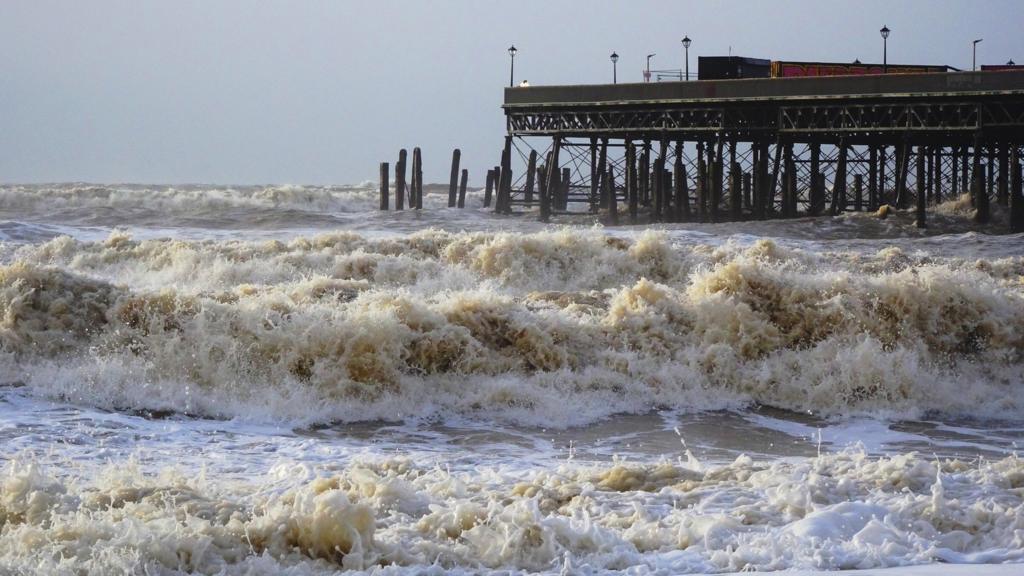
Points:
(561, 327)
(842, 511)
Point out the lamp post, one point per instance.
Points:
(974, 54)
(686, 47)
(885, 48)
(512, 71)
(647, 75)
(615, 68)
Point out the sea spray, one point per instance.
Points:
(510, 325)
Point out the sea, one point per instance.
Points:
(264, 380)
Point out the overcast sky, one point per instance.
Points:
(308, 92)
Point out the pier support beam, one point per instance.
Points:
(531, 173)
(400, 180)
(979, 188)
(1016, 191)
(385, 171)
(453, 181)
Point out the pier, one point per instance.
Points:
(720, 150)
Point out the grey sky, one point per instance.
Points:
(320, 92)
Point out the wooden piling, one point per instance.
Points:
(453, 182)
(717, 176)
(497, 188)
(858, 192)
(631, 181)
(965, 179)
(645, 173)
(762, 183)
(1003, 189)
(1016, 191)
(531, 171)
(596, 174)
(922, 188)
(929, 160)
(735, 192)
(702, 183)
(400, 180)
(817, 203)
(839, 186)
(613, 201)
(682, 203)
(602, 162)
(659, 166)
(789, 182)
(563, 197)
(937, 176)
(385, 170)
(902, 169)
(504, 205)
(462, 188)
(417, 175)
(980, 190)
(873, 178)
(489, 189)
(551, 179)
(748, 198)
(770, 203)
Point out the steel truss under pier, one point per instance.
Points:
(765, 148)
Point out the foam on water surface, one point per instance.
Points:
(265, 380)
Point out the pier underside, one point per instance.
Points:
(766, 148)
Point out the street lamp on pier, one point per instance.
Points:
(647, 74)
(974, 54)
(615, 68)
(686, 47)
(885, 48)
(512, 71)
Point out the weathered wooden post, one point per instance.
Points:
(858, 192)
(922, 198)
(717, 179)
(599, 172)
(735, 191)
(497, 188)
(645, 173)
(929, 160)
(596, 174)
(563, 189)
(981, 215)
(659, 167)
(551, 179)
(1003, 190)
(748, 191)
(504, 204)
(937, 176)
(777, 165)
(789, 183)
(990, 166)
(489, 188)
(954, 162)
(902, 169)
(839, 186)
(613, 201)
(385, 170)
(400, 180)
(681, 192)
(545, 198)
(922, 173)
(873, 178)
(761, 191)
(632, 192)
(965, 179)
(817, 202)
(1016, 191)
(531, 171)
(462, 188)
(883, 160)
(454, 181)
(702, 183)
(417, 164)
